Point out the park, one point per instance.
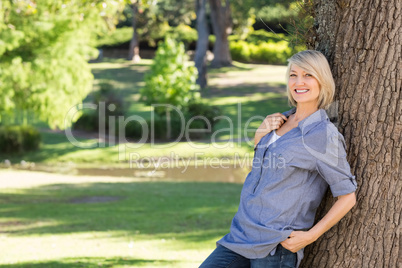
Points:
(127, 127)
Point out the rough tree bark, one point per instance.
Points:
(134, 50)
(363, 42)
(200, 57)
(222, 26)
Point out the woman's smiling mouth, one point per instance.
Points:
(301, 91)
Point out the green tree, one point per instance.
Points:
(44, 49)
(172, 79)
(152, 19)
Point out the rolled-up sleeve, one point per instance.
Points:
(334, 167)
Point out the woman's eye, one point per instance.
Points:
(292, 75)
(308, 75)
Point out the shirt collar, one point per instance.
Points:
(310, 121)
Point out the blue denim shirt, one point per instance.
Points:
(286, 185)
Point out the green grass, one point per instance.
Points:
(142, 224)
(50, 220)
(57, 148)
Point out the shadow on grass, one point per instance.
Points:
(89, 262)
(191, 211)
(53, 145)
(126, 78)
(236, 66)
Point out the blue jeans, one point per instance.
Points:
(222, 257)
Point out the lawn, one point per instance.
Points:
(53, 220)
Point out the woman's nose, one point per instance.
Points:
(300, 80)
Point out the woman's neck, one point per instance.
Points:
(303, 111)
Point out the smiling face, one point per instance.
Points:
(303, 86)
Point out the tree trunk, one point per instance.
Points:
(222, 27)
(363, 40)
(134, 50)
(200, 57)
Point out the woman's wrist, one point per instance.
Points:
(314, 235)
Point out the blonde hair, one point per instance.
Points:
(315, 63)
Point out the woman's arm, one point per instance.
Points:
(299, 239)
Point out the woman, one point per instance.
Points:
(298, 154)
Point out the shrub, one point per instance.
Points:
(262, 36)
(275, 53)
(172, 79)
(117, 37)
(240, 50)
(16, 139)
(30, 138)
(201, 108)
(264, 52)
(113, 103)
(134, 130)
(183, 33)
(277, 17)
(88, 121)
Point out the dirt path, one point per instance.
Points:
(10, 178)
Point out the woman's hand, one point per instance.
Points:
(297, 240)
(300, 239)
(271, 122)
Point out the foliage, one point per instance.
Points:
(278, 15)
(172, 79)
(269, 52)
(184, 33)
(263, 36)
(107, 100)
(118, 36)
(263, 47)
(122, 36)
(202, 108)
(16, 139)
(155, 18)
(246, 14)
(157, 128)
(44, 50)
(195, 109)
(301, 29)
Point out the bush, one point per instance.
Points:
(16, 139)
(277, 17)
(264, 52)
(262, 36)
(263, 47)
(183, 33)
(275, 53)
(30, 138)
(201, 108)
(88, 121)
(122, 36)
(113, 103)
(240, 50)
(117, 37)
(134, 130)
(172, 77)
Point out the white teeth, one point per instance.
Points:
(301, 91)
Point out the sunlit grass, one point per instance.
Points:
(65, 223)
